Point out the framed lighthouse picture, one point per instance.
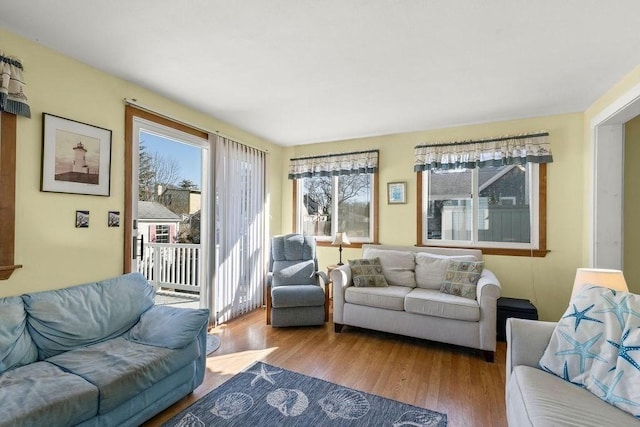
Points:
(76, 157)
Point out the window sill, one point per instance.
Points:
(535, 253)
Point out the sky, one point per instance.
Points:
(188, 156)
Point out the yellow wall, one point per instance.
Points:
(632, 204)
(53, 252)
(545, 281)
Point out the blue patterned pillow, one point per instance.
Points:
(596, 345)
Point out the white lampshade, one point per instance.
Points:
(612, 279)
(341, 239)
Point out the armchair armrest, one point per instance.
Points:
(526, 342)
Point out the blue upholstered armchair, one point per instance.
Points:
(296, 290)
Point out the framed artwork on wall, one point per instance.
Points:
(76, 157)
(396, 192)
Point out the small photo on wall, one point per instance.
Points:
(82, 219)
(113, 219)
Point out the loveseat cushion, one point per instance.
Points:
(390, 297)
(398, 267)
(121, 369)
(435, 303)
(431, 268)
(170, 327)
(16, 346)
(537, 398)
(82, 315)
(41, 394)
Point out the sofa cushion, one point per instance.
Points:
(461, 278)
(435, 303)
(16, 346)
(121, 369)
(169, 327)
(286, 273)
(398, 267)
(596, 344)
(367, 273)
(78, 316)
(537, 398)
(431, 268)
(390, 297)
(42, 394)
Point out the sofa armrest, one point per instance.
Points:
(169, 327)
(487, 294)
(341, 279)
(526, 342)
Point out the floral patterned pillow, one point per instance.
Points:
(367, 273)
(461, 278)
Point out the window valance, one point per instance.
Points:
(12, 97)
(508, 150)
(334, 164)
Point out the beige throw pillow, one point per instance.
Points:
(431, 268)
(462, 278)
(398, 267)
(367, 273)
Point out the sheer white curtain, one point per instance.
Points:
(240, 228)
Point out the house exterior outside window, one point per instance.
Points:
(162, 233)
(488, 194)
(328, 205)
(336, 193)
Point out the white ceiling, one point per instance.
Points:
(303, 71)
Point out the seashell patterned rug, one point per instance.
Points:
(264, 395)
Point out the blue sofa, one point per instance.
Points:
(98, 354)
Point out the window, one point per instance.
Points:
(481, 197)
(329, 205)
(336, 193)
(162, 233)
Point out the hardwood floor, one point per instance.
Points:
(449, 379)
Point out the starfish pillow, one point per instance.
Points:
(596, 345)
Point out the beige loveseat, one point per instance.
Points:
(537, 398)
(413, 304)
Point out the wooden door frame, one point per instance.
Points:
(131, 112)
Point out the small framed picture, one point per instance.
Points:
(113, 219)
(396, 192)
(82, 219)
(76, 157)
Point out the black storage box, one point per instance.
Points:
(513, 307)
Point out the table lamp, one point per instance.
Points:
(340, 239)
(612, 279)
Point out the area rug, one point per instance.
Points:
(213, 343)
(264, 395)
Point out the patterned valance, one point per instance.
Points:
(12, 97)
(508, 150)
(334, 164)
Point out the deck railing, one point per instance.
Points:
(171, 266)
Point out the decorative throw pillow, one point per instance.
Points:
(596, 345)
(367, 273)
(431, 268)
(461, 278)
